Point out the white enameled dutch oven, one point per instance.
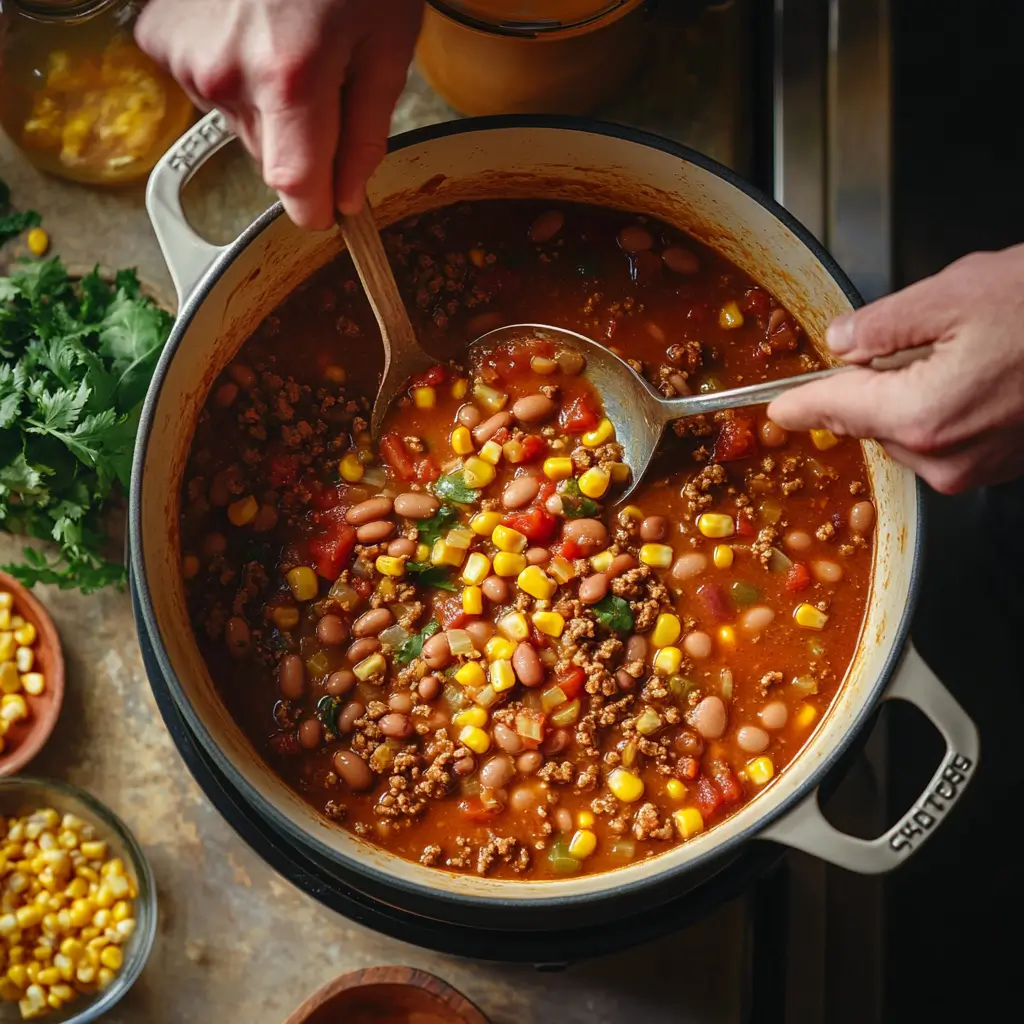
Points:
(225, 292)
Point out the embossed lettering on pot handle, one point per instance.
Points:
(187, 255)
(806, 828)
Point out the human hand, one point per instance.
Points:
(308, 85)
(955, 418)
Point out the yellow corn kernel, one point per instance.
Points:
(112, 956)
(374, 665)
(582, 844)
(824, 439)
(442, 553)
(620, 472)
(625, 786)
(722, 556)
(17, 974)
(730, 317)
(514, 626)
(472, 675)
(302, 582)
(689, 822)
(34, 683)
(477, 473)
(601, 434)
(389, 565)
(121, 911)
(474, 715)
(8, 645)
(504, 538)
(93, 849)
(727, 636)
(10, 681)
(351, 469)
(485, 523)
(13, 708)
(24, 658)
(462, 441)
(476, 739)
(48, 976)
(675, 789)
(25, 634)
(498, 648)
(77, 888)
(424, 397)
(534, 581)
(285, 616)
(805, 715)
(507, 563)
(658, 556)
(584, 819)
(558, 467)
(809, 617)
(491, 399)
(6, 600)
(631, 512)
(491, 452)
(668, 660)
(560, 569)
(594, 482)
(460, 538)
(81, 912)
(104, 976)
(501, 676)
(666, 631)
(716, 524)
(472, 600)
(601, 561)
(549, 623)
(243, 511)
(760, 770)
(476, 569)
(28, 916)
(38, 241)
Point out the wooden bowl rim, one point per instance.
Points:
(409, 977)
(42, 727)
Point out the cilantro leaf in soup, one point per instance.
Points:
(412, 648)
(431, 575)
(327, 709)
(436, 526)
(575, 504)
(453, 487)
(613, 613)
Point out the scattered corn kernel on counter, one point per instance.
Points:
(454, 643)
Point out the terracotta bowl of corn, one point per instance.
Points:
(31, 676)
(77, 904)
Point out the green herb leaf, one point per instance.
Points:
(327, 709)
(413, 647)
(575, 504)
(14, 223)
(613, 613)
(431, 529)
(453, 487)
(431, 575)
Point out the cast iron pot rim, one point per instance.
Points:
(184, 319)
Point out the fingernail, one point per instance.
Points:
(839, 336)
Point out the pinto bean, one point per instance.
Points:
(752, 739)
(546, 226)
(554, 505)
(428, 687)
(620, 564)
(697, 644)
(527, 664)
(464, 766)
(797, 541)
(495, 589)
(654, 528)
(524, 799)
(402, 547)
(538, 556)
(416, 505)
(226, 394)
(624, 681)
(680, 260)
(771, 434)
(634, 238)
(593, 588)
(436, 652)
(469, 415)
(507, 738)
(402, 701)
(372, 622)
(556, 741)
(497, 772)
(348, 716)
(563, 819)
(774, 715)
(590, 535)
(709, 718)
(311, 734)
(395, 725)
(826, 572)
(214, 544)
(331, 630)
(237, 636)
(265, 519)
(490, 426)
(354, 771)
(533, 408)
(291, 677)
(689, 565)
(362, 648)
(756, 619)
(636, 648)
(242, 375)
(520, 491)
(529, 762)
(862, 517)
(369, 510)
(375, 532)
(340, 682)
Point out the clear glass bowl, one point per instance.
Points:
(21, 795)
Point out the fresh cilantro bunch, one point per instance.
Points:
(76, 358)
(12, 223)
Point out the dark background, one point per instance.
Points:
(952, 947)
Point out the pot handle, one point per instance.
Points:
(187, 255)
(806, 828)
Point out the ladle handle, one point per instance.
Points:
(759, 394)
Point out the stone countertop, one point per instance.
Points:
(236, 942)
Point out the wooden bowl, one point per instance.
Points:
(387, 995)
(25, 739)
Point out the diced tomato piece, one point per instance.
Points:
(426, 470)
(283, 470)
(708, 797)
(331, 550)
(536, 524)
(698, 313)
(755, 300)
(362, 586)
(328, 497)
(571, 682)
(715, 601)
(501, 436)
(450, 613)
(285, 744)
(534, 447)
(580, 416)
(537, 638)
(744, 527)
(735, 440)
(798, 578)
(429, 378)
(567, 549)
(727, 783)
(474, 809)
(687, 768)
(393, 452)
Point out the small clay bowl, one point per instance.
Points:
(387, 995)
(25, 739)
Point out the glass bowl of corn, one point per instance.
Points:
(78, 904)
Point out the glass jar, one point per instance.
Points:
(78, 97)
(531, 56)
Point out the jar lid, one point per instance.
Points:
(528, 17)
(63, 10)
